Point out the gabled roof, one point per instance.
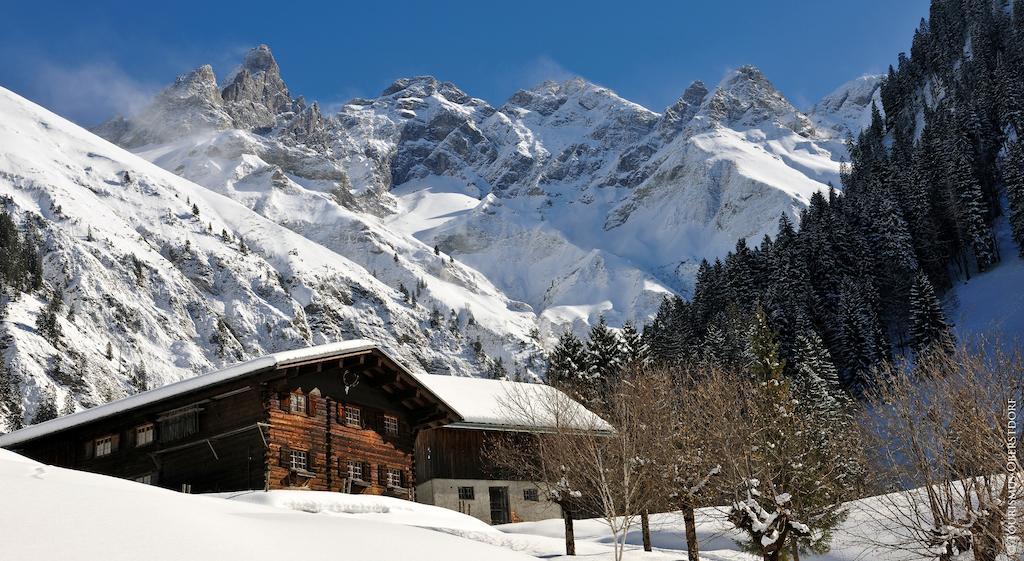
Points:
(273, 361)
(516, 406)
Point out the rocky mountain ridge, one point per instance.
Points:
(568, 176)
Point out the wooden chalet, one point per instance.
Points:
(338, 417)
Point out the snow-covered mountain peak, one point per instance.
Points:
(191, 104)
(680, 113)
(260, 59)
(422, 87)
(746, 98)
(257, 94)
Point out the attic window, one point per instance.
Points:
(353, 416)
(390, 424)
(104, 446)
(297, 403)
(144, 434)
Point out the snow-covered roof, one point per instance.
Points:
(261, 364)
(503, 405)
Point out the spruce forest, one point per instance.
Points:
(858, 283)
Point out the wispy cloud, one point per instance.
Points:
(89, 93)
(544, 68)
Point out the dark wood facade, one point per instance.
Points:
(341, 422)
(452, 453)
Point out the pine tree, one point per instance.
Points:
(139, 380)
(47, 323)
(1013, 183)
(634, 346)
(605, 360)
(47, 407)
(195, 210)
(10, 397)
(929, 329)
(568, 363)
(69, 405)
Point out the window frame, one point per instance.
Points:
(391, 424)
(293, 465)
(145, 428)
(395, 474)
(531, 494)
(109, 448)
(293, 401)
(463, 496)
(356, 420)
(351, 467)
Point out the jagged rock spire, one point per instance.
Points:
(257, 94)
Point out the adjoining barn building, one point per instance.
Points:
(452, 469)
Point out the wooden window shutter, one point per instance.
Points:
(339, 412)
(311, 459)
(88, 449)
(310, 404)
(402, 479)
(285, 459)
(367, 472)
(382, 475)
(283, 401)
(115, 441)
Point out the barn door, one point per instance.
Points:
(499, 505)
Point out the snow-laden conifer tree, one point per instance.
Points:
(929, 329)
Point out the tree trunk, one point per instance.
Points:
(570, 537)
(645, 526)
(796, 548)
(691, 533)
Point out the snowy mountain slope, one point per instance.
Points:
(847, 110)
(990, 305)
(611, 204)
(181, 293)
(138, 521)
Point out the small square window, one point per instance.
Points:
(144, 434)
(299, 460)
(466, 494)
(297, 403)
(390, 424)
(104, 446)
(355, 470)
(394, 477)
(353, 416)
(531, 495)
(145, 479)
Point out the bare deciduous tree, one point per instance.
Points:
(585, 463)
(942, 432)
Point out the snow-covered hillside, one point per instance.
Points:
(137, 521)
(179, 279)
(610, 204)
(54, 514)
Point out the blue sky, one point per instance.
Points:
(87, 60)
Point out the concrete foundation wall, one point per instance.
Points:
(445, 493)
